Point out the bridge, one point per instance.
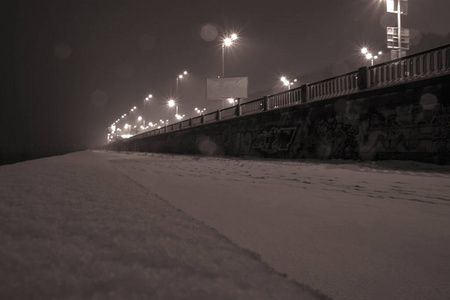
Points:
(395, 110)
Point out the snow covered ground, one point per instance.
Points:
(368, 230)
(105, 225)
(73, 227)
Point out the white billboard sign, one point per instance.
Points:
(224, 88)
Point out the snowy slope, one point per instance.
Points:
(73, 227)
(369, 230)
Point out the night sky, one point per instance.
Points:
(71, 68)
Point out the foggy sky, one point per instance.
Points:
(71, 68)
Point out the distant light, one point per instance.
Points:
(180, 76)
(283, 79)
(234, 36)
(171, 103)
(364, 50)
(150, 96)
(227, 42)
(139, 118)
(369, 56)
(185, 72)
(230, 100)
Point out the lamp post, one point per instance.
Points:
(287, 82)
(227, 41)
(147, 99)
(141, 119)
(402, 8)
(200, 111)
(369, 56)
(180, 76)
(171, 103)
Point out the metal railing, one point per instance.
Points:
(229, 112)
(336, 86)
(435, 62)
(196, 121)
(290, 97)
(414, 67)
(252, 106)
(186, 123)
(211, 117)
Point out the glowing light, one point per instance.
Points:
(227, 42)
(171, 103)
(185, 72)
(364, 50)
(234, 36)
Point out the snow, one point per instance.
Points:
(353, 230)
(73, 227)
(123, 225)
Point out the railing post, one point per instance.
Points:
(238, 108)
(203, 119)
(363, 78)
(266, 103)
(218, 115)
(304, 93)
(190, 122)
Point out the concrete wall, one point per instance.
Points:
(410, 121)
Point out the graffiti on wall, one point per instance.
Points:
(410, 128)
(340, 137)
(275, 140)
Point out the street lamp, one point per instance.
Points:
(141, 119)
(369, 56)
(227, 42)
(180, 76)
(147, 99)
(171, 103)
(288, 82)
(402, 8)
(200, 111)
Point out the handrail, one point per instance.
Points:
(426, 64)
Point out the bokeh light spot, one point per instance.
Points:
(428, 101)
(209, 32)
